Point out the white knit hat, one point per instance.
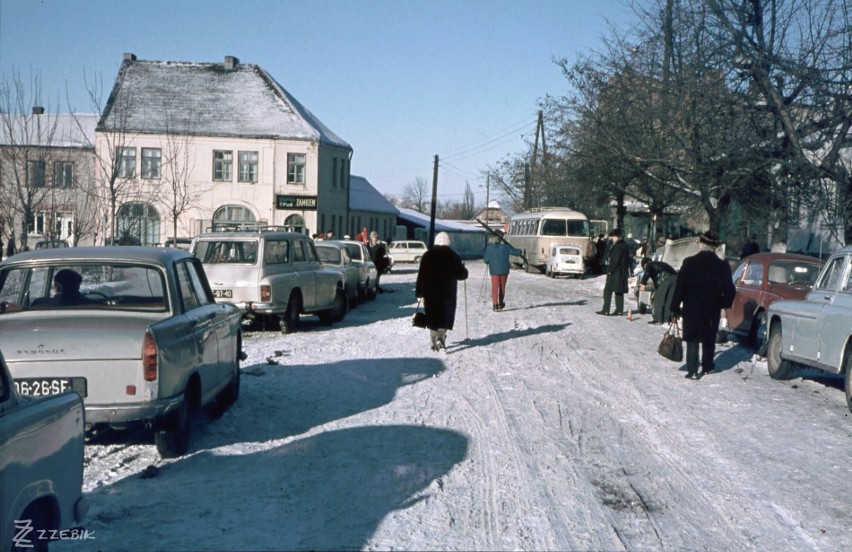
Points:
(442, 239)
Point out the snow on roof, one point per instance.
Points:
(67, 130)
(414, 217)
(363, 197)
(208, 99)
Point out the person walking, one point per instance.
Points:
(379, 255)
(441, 268)
(750, 247)
(617, 270)
(661, 274)
(497, 258)
(704, 287)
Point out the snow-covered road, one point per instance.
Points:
(543, 427)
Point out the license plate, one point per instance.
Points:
(223, 293)
(50, 386)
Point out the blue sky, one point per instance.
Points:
(401, 81)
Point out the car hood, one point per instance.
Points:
(68, 338)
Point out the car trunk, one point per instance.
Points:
(229, 282)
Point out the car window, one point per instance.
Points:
(299, 251)
(354, 251)
(792, 272)
(754, 274)
(188, 295)
(832, 274)
(329, 254)
(310, 251)
(276, 252)
(202, 294)
(231, 251)
(418, 245)
(738, 273)
(101, 285)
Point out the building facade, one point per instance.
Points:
(189, 147)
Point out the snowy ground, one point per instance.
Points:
(543, 427)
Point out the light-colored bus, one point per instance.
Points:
(535, 232)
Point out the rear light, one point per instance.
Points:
(149, 357)
(265, 293)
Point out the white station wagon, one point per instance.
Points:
(407, 251)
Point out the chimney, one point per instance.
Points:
(38, 110)
(129, 57)
(231, 62)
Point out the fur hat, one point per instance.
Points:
(442, 238)
(709, 238)
(615, 232)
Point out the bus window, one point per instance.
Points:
(578, 228)
(553, 227)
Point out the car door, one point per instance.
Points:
(306, 263)
(750, 282)
(201, 318)
(836, 317)
(806, 324)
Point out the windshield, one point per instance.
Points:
(106, 285)
(329, 254)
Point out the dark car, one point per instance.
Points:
(762, 279)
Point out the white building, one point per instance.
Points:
(200, 146)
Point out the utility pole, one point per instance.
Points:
(434, 202)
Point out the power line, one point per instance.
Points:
(488, 144)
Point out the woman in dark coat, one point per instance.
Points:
(437, 284)
(617, 271)
(704, 287)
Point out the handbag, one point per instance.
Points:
(419, 318)
(671, 346)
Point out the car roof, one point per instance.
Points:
(770, 256)
(248, 235)
(159, 255)
(331, 243)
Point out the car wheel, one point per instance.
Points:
(371, 291)
(231, 392)
(172, 436)
(778, 367)
(758, 334)
(289, 322)
(40, 524)
(848, 382)
(338, 311)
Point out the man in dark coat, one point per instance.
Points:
(750, 247)
(661, 274)
(704, 287)
(437, 284)
(379, 256)
(617, 271)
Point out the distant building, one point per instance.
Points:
(467, 240)
(47, 168)
(494, 216)
(222, 145)
(369, 209)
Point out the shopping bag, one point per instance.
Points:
(671, 346)
(419, 318)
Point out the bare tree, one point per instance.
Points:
(415, 195)
(28, 135)
(178, 196)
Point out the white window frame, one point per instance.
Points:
(296, 163)
(248, 161)
(126, 157)
(151, 162)
(223, 165)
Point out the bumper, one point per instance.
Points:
(251, 308)
(568, 269)
(133, 412)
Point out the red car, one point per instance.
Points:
(760, 280)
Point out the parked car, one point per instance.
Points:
(816, 331)
(367, 274)
(51, 244)
(41, 465)
(271, 276)
(407, 251)
(565, 260)
(335, 254)
(761, 279)
(141, 340)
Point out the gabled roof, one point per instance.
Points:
(208, 99)
(60, 130)
(363, 197)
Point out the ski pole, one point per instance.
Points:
(465, 311)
